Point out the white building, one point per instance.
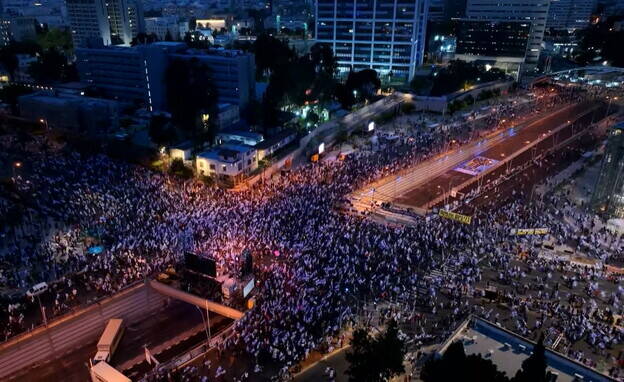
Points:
(533, 11)
(228, 163)
(108, 22)
(384, 35)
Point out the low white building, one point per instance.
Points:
(182, 151)
(227, 163)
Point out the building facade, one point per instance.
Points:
(88, 21)
(99, 22)
(570, 14)
(608, 196)
(166, 25)
(385, 35)
(137, 74)
(92, 116)
(501, 44)
(227, 163)
(534, 12)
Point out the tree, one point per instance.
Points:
(144, 39)
(376, 358)
(533, 368)
(190, 95)
(56, 38)
(9, 94)
(270, 54)
(361, 357)
(390, 351)
(600, 43)
(455, 365)
(52, 66)
(160, 130)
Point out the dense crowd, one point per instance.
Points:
(321, 263)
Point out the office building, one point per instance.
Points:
(501, 44)
(137, 74)
(99, 22)
(445, 10)
(88, 20)
(436, 10)
(5, 33)
(570, 14)
(80, 114)
(384, 35)
(608, 196)
(534, 12)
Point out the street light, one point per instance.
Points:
(206, 327)
(16, 165)
(45, 123)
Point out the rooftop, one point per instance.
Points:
(508, 350)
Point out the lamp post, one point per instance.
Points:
(206, 327)
(44, 122)
(16, 165)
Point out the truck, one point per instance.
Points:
(103, 372)
(109, 340)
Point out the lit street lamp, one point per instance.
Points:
(16, 165)
(44, 122)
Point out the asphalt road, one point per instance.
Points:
(424, 193)
(164, 329)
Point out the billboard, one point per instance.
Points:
(200, 264)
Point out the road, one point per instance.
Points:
(433, 177)
(167, 334)
(424, 194)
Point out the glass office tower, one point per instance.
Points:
(608, 197)
(385, 35)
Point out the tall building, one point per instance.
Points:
(88, 20)
(385, 35)
(501, 44)
(570, 14)
(107, 22)
(137, 74)
(528, 11)
(437, 10)
(608, 197)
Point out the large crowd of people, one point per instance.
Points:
(314, 265)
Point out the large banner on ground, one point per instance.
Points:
(455, 216)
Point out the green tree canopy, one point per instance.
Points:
(455, 365)
(533, 368)
(376, 359)
(52, 66)
(190, 94)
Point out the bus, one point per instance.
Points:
(109, 340)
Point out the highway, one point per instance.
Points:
(403, 188)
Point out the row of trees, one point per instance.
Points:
(457, 75)
(311, 78)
